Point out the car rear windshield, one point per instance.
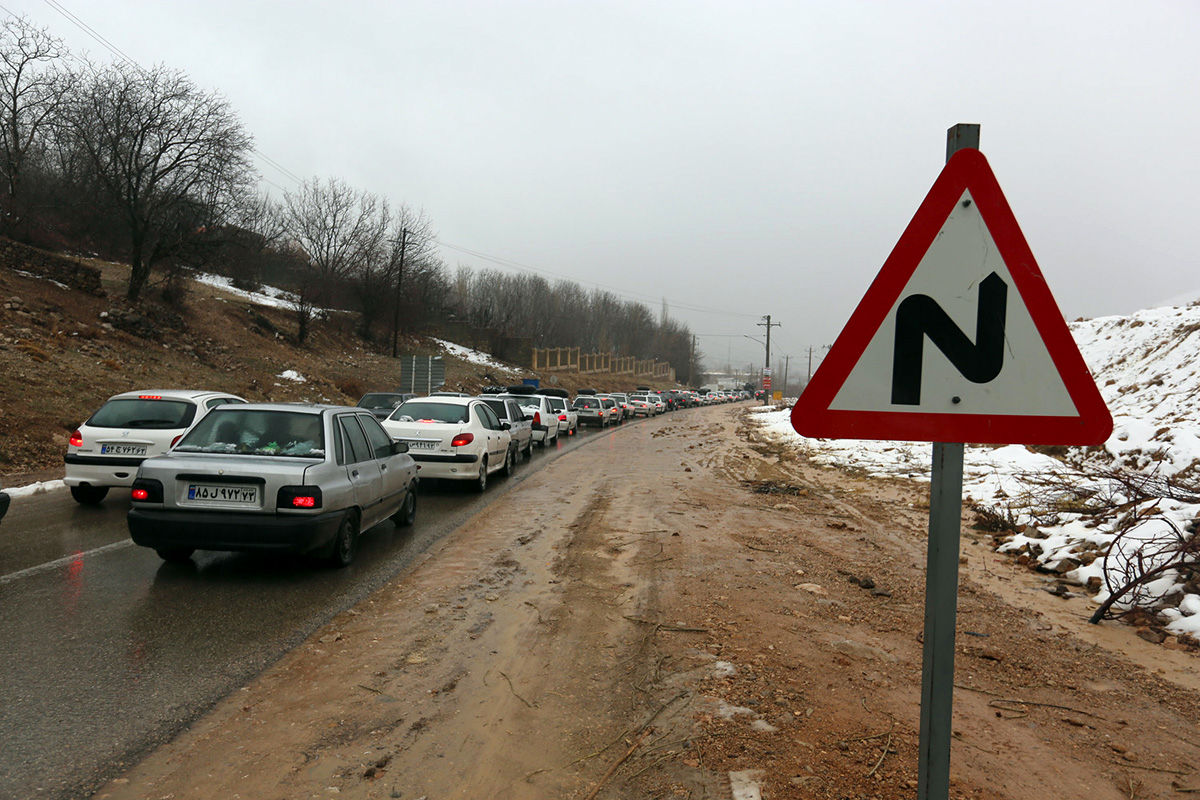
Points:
(136, 412)
(380, 400)
(297, 434)
(499, 406)
(422, 411)
(587, 402)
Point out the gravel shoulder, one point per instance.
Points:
(638, 621)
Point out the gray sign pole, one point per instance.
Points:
(941, 588)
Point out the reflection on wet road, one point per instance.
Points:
(107, 651)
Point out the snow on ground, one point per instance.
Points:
(266, 296)
(41, 487)
(291, 375)
(473, 356)
(1146, 369)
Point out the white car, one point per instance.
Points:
(130, 427)
(454, 438)
(544, 418)
(568, 417)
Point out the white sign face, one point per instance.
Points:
(959, 338)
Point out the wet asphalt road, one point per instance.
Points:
(106, 651)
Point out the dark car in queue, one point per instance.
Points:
(382, 404)
(279, 477)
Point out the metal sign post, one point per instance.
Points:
(941, 588)
(944, 347)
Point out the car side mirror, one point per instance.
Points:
(529, 418)
(399, 447)
(505, 425)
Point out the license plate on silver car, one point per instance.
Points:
(215, 493)
(122, 449)
(418, 444)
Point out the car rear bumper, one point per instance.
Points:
(215, 530)
(100, 470)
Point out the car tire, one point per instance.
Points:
(480, 484)
(529, 448)
(407, 514)
(345, 542)
(176, 555)
(89, 495)
(510, 458)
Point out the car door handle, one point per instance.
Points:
(353, 473)
(383, 467)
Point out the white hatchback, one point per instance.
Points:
(106, 450)
(455, 438)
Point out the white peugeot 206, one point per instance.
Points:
(106, 450)
(453, 438)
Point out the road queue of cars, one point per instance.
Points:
(220, 484)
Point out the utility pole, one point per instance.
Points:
(692, 364)
(396, 300)
(767, 362)
(787, 361)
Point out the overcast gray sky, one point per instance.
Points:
(736, 158)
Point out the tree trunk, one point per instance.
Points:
(139, 270)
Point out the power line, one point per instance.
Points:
(640, 296)
(116, 51)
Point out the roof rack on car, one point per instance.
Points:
(586, 391)
(522, 389)
(554, 392)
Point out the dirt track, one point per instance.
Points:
(637, 622)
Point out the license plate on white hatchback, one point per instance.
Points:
(421, 444)
(216, 493)
(122, 449)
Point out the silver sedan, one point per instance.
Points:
(275, 478)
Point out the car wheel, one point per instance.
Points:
(554, 441)
(176, 555)
(481, 481)
(89, 495)
(408, 511)
(529, 449)
(345, 543)
(510, 458)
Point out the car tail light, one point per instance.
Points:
(537, 418)
(298, 497)
(462, 439)
(76, 439)
(562, 417)
(146, 490)
(175, 441)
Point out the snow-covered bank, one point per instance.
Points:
(1146, 369)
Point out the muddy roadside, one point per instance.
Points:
(675, 604)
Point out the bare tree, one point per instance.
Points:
(173, 159)
(32, 90)
(340, 230)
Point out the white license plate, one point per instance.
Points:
(419, 445)
(214, 493)
(122, 449)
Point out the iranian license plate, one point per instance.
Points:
(122, 449)
(421, 445)
(214, 493)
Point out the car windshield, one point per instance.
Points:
(253, 432)
(380, 400)
(424, 411)
(144, 412)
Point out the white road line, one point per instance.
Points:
(61, 562)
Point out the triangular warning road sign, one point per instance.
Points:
(958, 339)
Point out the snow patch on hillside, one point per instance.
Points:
(1148, 374)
